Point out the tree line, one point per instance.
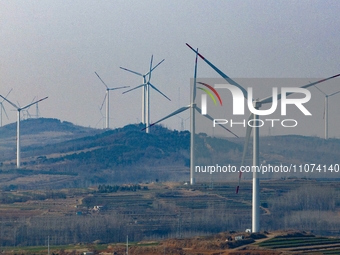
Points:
(116, 188)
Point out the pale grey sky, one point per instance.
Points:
(52, 48)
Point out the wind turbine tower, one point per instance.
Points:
(326, 109)
(37, 110)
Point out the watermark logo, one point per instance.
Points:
(230, 104)
(208, 91)
(254, 106)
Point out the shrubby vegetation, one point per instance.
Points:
(310, 207)
(116, 188)
(10, 198)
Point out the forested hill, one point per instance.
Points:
(65, 154)
(40, 125)
(125, 154)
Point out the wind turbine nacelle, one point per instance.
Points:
(254, 106)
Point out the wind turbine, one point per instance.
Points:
(2, 108)
(257, 105)
(19, 109)
(146, 92)
(326, 109)
(107, 98)
(192, 106)
(183, 120)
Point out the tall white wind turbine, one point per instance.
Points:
(257, 105)
(19, 109)
(326, 109)
(2, 108)
(192, 106)
(146, 92)
(107, 98)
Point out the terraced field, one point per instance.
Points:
(161, 211)
(303, 244)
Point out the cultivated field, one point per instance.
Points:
(166, 211)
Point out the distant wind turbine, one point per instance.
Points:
(326, 109)
(107, 98)
(192, 106)
(19, 109)
(102, 117)
(146, 92)
(257, 105)
(2, 108)
(183, 120)
(26, 114)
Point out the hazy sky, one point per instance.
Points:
(52, 48)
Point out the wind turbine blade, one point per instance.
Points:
(8, 94)
(100, 110)
(227, 78)
(333, 94)
(28, 114)
(270, 98)
(195, 78)
(131, 71)
(134, 88)
(211, 118)
(33, 103)
(101, 80)
(10, 102)
(152, 86)
(245, 148)
(170, 115)
(119, 87)
(320, 90)
(2, 106)
(157, 64)
(98, 122)
(150, 68)
(103, 102)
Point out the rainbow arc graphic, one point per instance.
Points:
(211, 91)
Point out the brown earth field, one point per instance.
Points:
(289, 242)
(173, 218)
